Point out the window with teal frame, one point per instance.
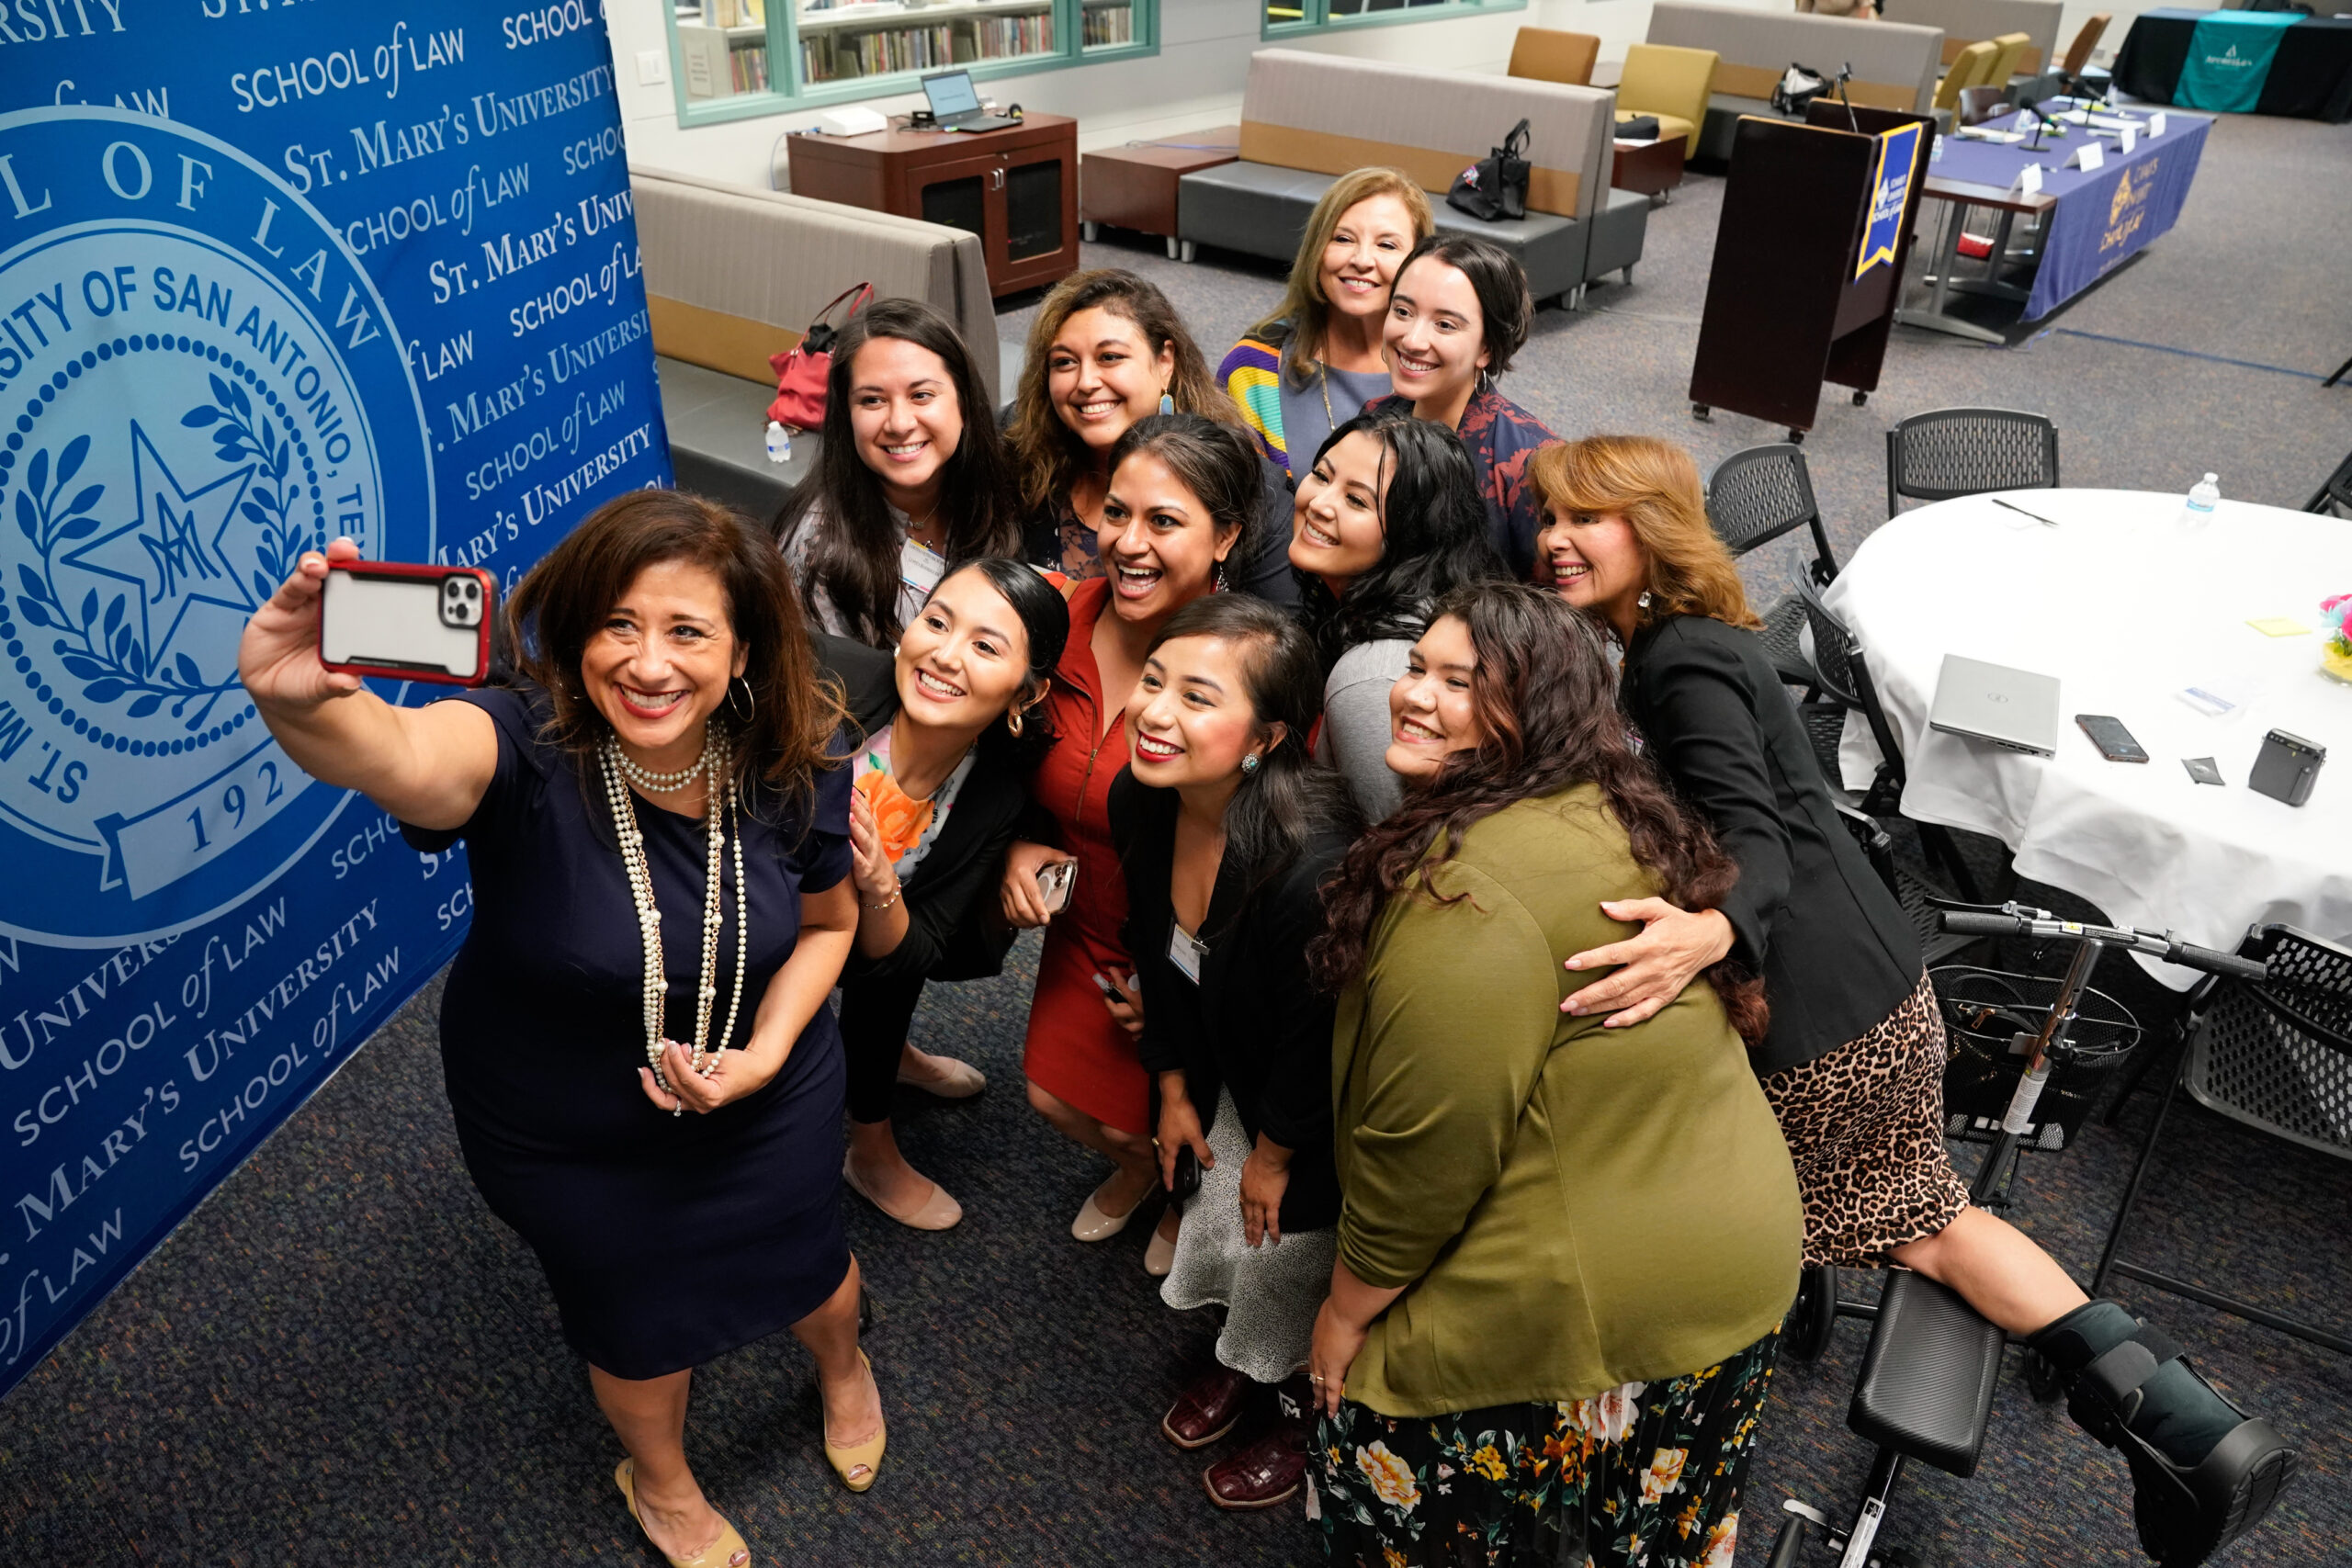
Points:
(736, 59)
(1284, 16)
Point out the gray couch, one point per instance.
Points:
(734, 273)
(1308, 118)
(1895, 65)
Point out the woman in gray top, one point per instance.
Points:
(1387, 520)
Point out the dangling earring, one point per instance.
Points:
(1012, 721)
(1216, 583)
(751, 701)
(1644, 602)
(1167, 404)
(1250, 763)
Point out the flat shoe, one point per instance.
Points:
(1093, 1224)
(865, 1456)
(1158, 1255)
(937, 1213)
(1207, 1410)
(726, 1551)
(961, 1081)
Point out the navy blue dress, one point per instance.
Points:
(667, 1240)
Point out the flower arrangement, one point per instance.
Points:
(2335, 654)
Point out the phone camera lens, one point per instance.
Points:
(473, 589)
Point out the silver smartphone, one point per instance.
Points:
(1054, 884)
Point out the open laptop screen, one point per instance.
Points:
(951, 92)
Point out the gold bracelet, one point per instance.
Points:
(886, 903)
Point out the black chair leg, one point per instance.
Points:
(2341, 371)
(1938, 842)
(2106, 1258)
(2138, 1075)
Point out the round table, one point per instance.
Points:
(2126, 603)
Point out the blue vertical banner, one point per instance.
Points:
(1898, 161)
(270, 271)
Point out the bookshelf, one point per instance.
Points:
(843, 42)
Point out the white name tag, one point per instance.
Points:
(920, 569)
(2029, 179)
(2130, 139)
(2091, 157)
(1184, 953)
(2155, 125)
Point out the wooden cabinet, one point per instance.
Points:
(1017, 189)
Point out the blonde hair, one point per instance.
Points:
(1046, 453)
(1304, 316)
(1654, 486)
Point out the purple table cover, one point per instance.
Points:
(2103, 217)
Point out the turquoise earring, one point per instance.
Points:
(1167, 404)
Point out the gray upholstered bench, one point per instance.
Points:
(1895, 65)
(1308, 118)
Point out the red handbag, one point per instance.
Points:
(801, 371)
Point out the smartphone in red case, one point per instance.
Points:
(408, 622)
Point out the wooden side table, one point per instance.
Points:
(1649, 168)
(1134, 187)
(1017, 189)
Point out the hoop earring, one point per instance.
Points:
(1013, 722)
(1167, 404)
(751, 700)
(1250, 763)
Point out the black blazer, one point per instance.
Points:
(1255, 1024)
(1836, 950)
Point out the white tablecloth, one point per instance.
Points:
(2126, 604)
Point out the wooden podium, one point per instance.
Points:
(1809, 257)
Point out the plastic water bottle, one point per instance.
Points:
(2203, 496)
(780, 443)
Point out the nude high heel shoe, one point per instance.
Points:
(726, 1551)
(857, 1465)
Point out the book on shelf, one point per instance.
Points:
(835, 56)
(1107, 25)
(715, 67)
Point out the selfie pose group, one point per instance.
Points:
(1450, 946)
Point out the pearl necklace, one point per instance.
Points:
(618, 767)
(651, 782)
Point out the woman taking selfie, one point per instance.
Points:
(645, 1075)
(911, 475)
(1309, 366)
(1227, 830)
(1563, 1253)
(1107, 349)
(1853, 1063)
(1182, 499)
(941, 784)
(1458, 312)
(1387, 521)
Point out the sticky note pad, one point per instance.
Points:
(2280, 626)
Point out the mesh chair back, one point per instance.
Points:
(1845, 677)
(1755, 496)
(2279, 1055)
(2333, 498)
(1950, 452)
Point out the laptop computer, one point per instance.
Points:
(957, 104)
(2014, 709)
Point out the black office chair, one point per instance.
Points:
(1948, 452)
(1912, 889)
(1753, 498)
(1844, 681)
(2334, 497)
(2276, 1057)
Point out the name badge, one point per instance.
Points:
(2028, 179)
(2091, 157)
(919, 568)
(1185, 953)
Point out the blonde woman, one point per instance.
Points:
(1313, 364)
(1106, 350)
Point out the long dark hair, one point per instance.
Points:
(1434, 535)
(567, 598)
(1546, 701)
(1217, 462)
(1045, 620)
(1289, 796)
(853, 560)
(1499, 281)
(1049, 453)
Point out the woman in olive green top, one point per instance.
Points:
(1564, 1252)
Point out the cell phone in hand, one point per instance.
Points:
(1054, 883)
(410, 621)
(2114, 741)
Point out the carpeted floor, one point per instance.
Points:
(341, 1358)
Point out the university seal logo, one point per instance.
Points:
(198, 382)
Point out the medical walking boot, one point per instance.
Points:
(2203, 1472)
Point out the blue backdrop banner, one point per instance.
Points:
(267, 275)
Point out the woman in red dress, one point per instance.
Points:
(1183, 498)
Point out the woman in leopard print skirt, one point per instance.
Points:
(1853, 1061)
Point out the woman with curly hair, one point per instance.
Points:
(1564, 1254)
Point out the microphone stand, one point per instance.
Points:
(1843, 77)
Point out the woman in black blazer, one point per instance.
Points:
(1853, 1060)
(941, 783)
(1227, 829)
